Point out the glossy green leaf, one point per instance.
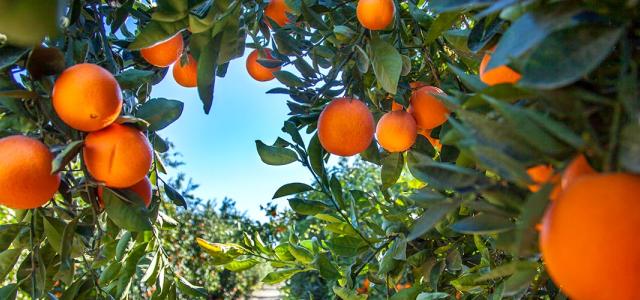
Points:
(241, 265)
(68, 153)
(567, 55)
(275, 156)
(307, 207)
(132, 216)
(160, 112)
(392, 166)
(430, 218)
(291, 189)
(483, 224)
(387, 64)
(280, 275)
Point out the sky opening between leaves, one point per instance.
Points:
(219, 149)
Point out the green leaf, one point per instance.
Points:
(392, 166)
(206, 51)
(327, 269)
(432, 296)
(630, 148)
(27, 22)
(519, 281)
(567, 55)
(449, 5)
(8, 233)
(407, 294)
(175, 196)
(221, 253)
(444, 175)
(287, 78)
(8, 258)
(190, 289)
(387, 64)
(133, 78)
(312, 17)
(261, 245)
(536, 25)
(109, 273)
(280, 275)
(132, 216)
(347, 294)
(160, 112)
(241, 265)
(292, 188)
(483, 224)
(470, 81)
(9, 55)
(506, 270)
(9, 292)
(155, 32)
(65, 156)
(430, 218)
(307, 207)
(442, 22)
(316, 152)
(302, 254)
(425, 197)
(362, 60)
(345, 245)
(275, 156)
(170, 10)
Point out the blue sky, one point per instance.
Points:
(219, 148)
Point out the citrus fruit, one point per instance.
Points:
(26, 181)
(345, 127)
(87, 97)
(118, 155)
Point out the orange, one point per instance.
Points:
(258, 71)
(497, 75)
(396, 131)
(87, 97)
(26, 181)
(540, 175)
(396, 106)
(400, 286)
(375, 14)
(365, 287)
(589, 239)
(164, 53)
(186, 75)
(427, 109)
(143, 189)
(434, 141)
(277, 11)
(577, 167)
(118, 155)
(345, 127)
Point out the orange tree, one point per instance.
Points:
(508, 104)
(82, 165)
(495, 106)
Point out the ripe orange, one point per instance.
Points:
(589, 238)
(577, 167)
(345, 127)
(396, 131)
(400, 286)
(118, 155)
(540, 175)
(428, 110)
(143, 189)
(164, 53)
(186, 75)
(258, 71)
(26, 181)
(87, 97)
(498, 75)
(277, 11)
(365, 287)
(434, 141)
(375, 14)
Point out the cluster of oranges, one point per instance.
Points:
(168, 52)
(88, 98)
(587, 235)
(346, 126)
